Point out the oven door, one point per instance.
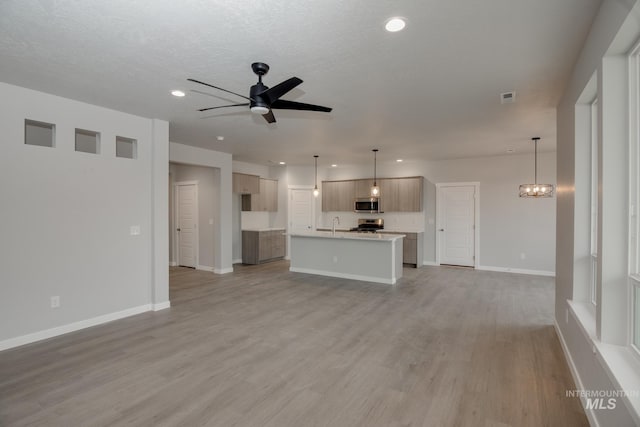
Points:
(367, 205)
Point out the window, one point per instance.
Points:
(126, 147)
(87, 141)
(39, 133)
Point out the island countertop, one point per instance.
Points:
(350, 235)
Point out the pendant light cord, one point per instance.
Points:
(375, 161)
(535, 161)
(316, 161)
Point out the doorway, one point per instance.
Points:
(457, 220)
(187, 223)
(301, 210)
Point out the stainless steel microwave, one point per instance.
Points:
(367, 205)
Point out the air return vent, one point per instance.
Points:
(507, 97)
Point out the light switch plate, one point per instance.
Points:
(134, 230)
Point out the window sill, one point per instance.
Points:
(619, 362)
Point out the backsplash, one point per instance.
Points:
(395, 221)
(254, 220)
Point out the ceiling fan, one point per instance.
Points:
(263, 99)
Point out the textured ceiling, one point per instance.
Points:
(429, 92)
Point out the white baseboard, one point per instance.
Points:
(517, 270)
(593, 421)
(237, 261)
(173, 264)
(343, 275)
(161, 306)
(204, 268)
(223, 270)
(71, 327)
(432, 263)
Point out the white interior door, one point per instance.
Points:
(456, 224)
(301, 217)
(187, 224)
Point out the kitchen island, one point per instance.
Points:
(359, 256)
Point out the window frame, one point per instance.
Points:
(634, 197)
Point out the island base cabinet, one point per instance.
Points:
(412, 247)
(262, 246)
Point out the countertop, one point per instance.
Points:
(264, 229)
(350, 236)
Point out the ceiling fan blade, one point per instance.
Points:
(219, 88)
(274, 93)
(269, 117)
(225, 106)
(283, 104)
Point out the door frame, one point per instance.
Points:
(176, 210)
(290, 207)
(476, 219)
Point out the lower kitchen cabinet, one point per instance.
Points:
(260, 246)
(412, 247)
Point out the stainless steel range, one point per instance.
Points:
(368, 225)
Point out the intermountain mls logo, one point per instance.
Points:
(601, 399)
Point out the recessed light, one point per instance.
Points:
(399, 160)
(178, 93)
(282, 163)
(220, 138)
(334, 166)
(395, 24)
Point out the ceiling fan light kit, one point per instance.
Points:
(536, 190)
(262, 99)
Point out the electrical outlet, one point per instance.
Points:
(134, 230)
(55, 302)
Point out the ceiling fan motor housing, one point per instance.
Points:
(258, 104)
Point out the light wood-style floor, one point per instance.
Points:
(265, 347)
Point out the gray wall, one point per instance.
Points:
(66, 218)
(509, 225)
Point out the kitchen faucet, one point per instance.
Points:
(333, 225)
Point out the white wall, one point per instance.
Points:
(208, 200)
(66, 218)
(590, 370)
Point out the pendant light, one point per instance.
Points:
(375, 190)
(315, 189)
(536, 190)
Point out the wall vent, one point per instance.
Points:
(507, 97)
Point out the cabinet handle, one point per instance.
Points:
(442, 229)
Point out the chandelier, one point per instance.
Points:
(536, 190)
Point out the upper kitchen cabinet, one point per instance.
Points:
(363, 188)
(337, 196)
(410, 192)
(396, 194)
(246, 184)
(266, 200)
